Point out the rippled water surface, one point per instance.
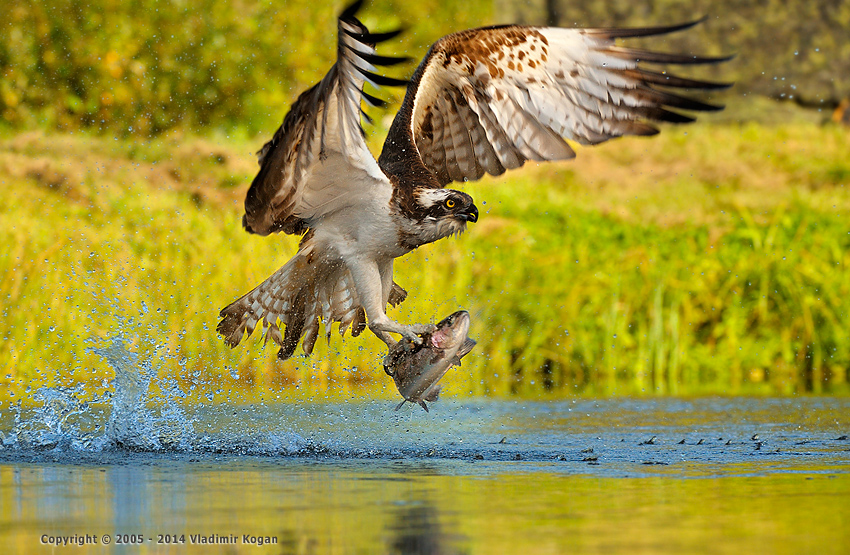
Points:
(725, 475)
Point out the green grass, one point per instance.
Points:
(708, 259)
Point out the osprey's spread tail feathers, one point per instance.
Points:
(306, 290)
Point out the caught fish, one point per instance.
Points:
(416, 369)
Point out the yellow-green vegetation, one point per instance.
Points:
(141, 67)
(708, 259)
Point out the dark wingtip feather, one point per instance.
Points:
(660, 114)
(668, 80)
(383, 80)
(373, 38)
(642, 129)
(621, 33)
(706, 107)
(649, 56)
(665, 98)
(373, 101)
(227, 328)
(349, 12)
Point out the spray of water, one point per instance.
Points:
(125, 415)
(139, 410)
(135, 420)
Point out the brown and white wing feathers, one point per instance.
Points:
(307, 290)
(318, 161)
(486, 100)
(313, 288)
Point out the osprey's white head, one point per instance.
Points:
(443, 212)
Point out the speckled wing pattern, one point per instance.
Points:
(323, 125)
(487, 100)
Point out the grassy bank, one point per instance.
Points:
(704, 260)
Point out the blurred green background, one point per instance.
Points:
(709, 259)
(142, 67)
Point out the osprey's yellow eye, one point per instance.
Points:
(450, 203)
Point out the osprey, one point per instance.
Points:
(481, 101)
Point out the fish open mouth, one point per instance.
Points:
(438, 339)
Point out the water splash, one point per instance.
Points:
(135, 421)
(62, 421)
(139, 410)
(126, 415)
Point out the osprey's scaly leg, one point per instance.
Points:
(369, 284)
(386, 272)
(412, 331)
(385, 337)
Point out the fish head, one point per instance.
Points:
(451, 331)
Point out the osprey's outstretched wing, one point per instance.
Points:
(486, 100)
(292, 188)
(316, 164)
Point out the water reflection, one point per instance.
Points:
(416, 530)
(342, 508)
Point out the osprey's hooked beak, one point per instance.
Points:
(470, 215)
